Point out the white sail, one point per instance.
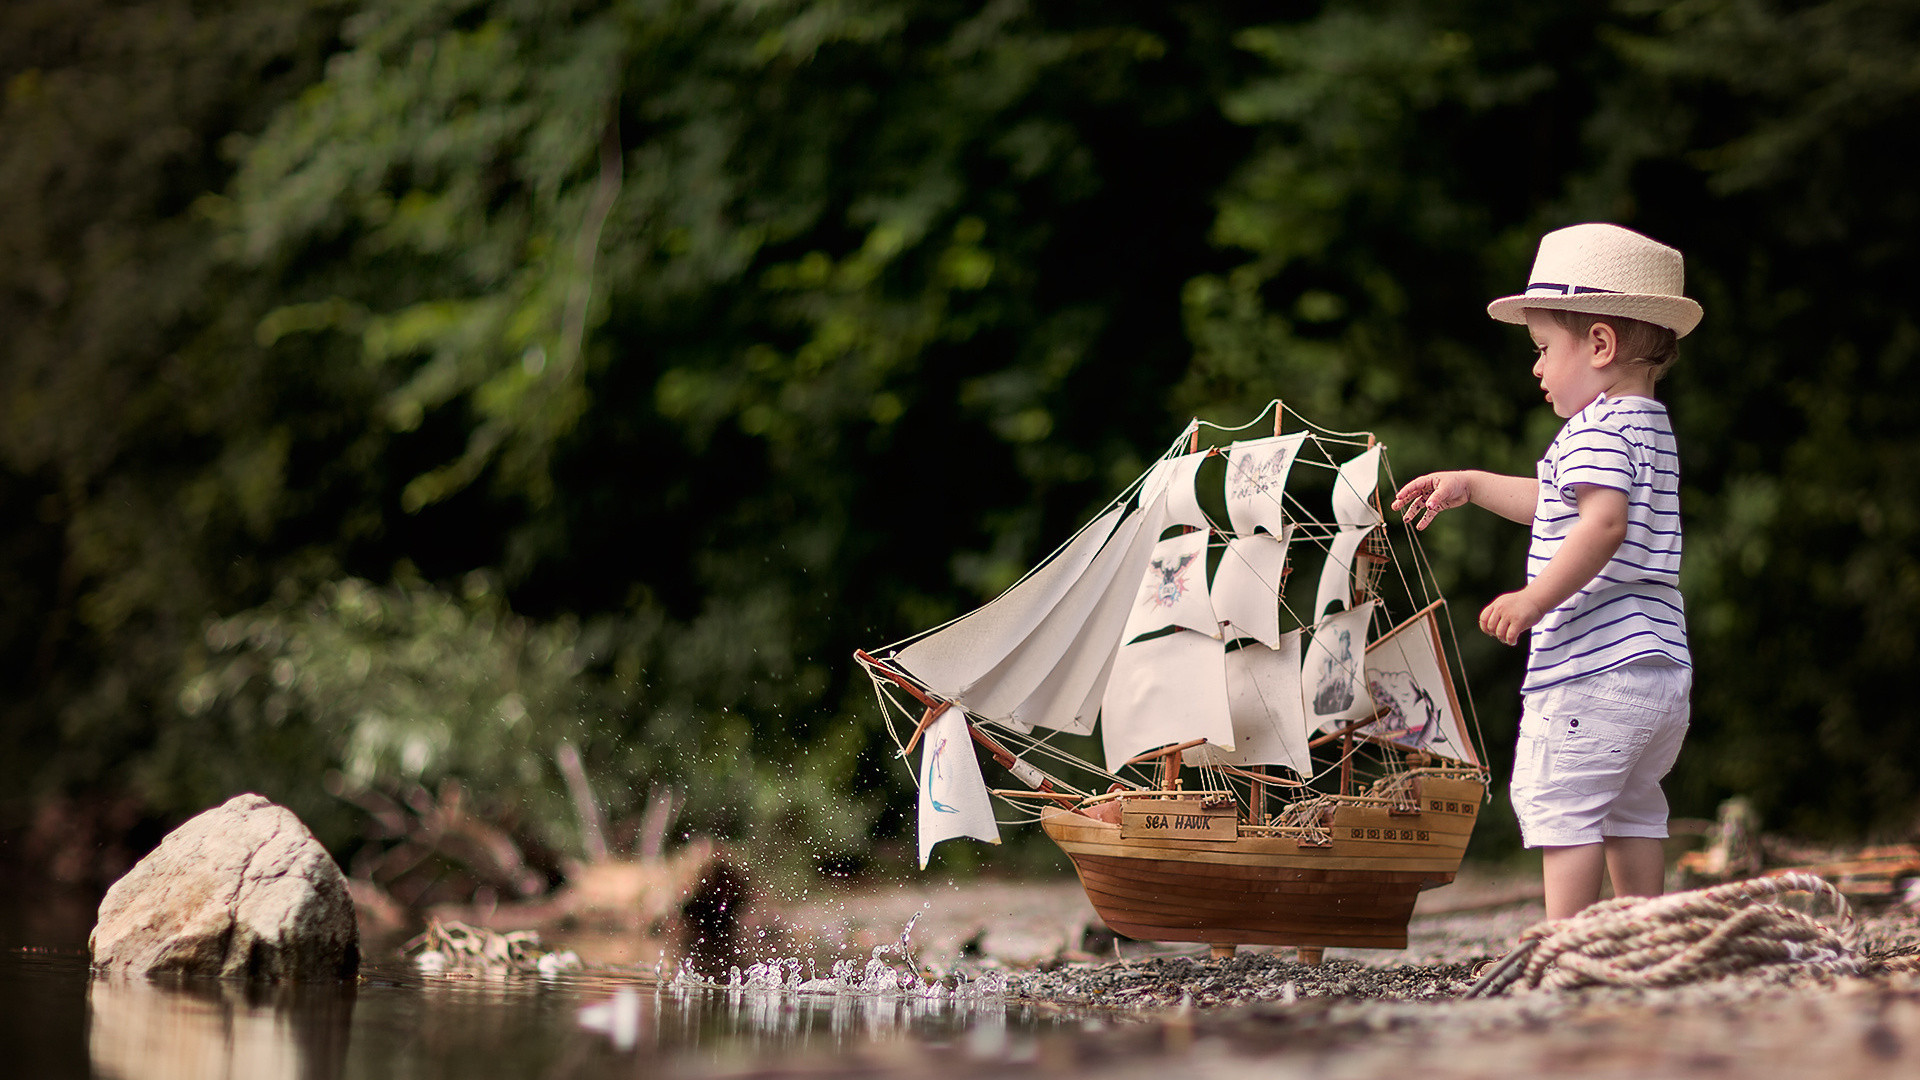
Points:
(1167, 689)
(1333, 682)
(1154, 482)
(1263, 701)
(1256, 481)
(951, 659)
(1173, 589)
(1246, 589)
(1081, 678)
(1407, 676)
(1183, 500)
(1336, 574)
(1045, 681)
(1353, 490)
(953, 797)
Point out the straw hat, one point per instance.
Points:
(1604, 270)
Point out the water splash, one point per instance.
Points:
(888, 993)
(890, 972)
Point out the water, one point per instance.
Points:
(398, 1021)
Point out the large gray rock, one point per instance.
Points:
(241, 891)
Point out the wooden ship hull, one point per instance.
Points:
(1351, 881)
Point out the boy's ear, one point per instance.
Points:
(1603, 343)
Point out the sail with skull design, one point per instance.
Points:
(1223, 757)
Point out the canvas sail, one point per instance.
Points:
(1336, 574)
(953, 658)
(1333, 673)
(953, 797)
(1353, 491)
(1166, 689)
(1265, 708)
(1154, 483)
(1173, 589)
(1407, 676)
(1256, 482)
(1048, 681)
(1247, 587)
(1183, 501)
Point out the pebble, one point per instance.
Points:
(1436, 968)
(1243, 980)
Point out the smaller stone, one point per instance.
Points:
(240, 891)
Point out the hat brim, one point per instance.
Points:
(1677, 313)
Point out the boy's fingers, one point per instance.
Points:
(1412, 491)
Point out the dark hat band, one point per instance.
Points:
(1550, 289)
(1547, 288)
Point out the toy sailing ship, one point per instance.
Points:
(1333, 773)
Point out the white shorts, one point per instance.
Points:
(1592, 752)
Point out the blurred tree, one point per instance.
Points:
(1411, 154)
(719, 338)
(146, 465)
(789, 266)
(1764, 138)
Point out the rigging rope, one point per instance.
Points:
(1680, 938)
(1302, 530)
(1423, 573)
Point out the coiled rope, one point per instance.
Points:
(1680, 938)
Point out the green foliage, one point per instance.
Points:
(403, 684)
(147, 465)
(1774, 162)
(666, 311)
(715, 339)
(1411, 153)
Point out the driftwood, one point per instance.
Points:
(1737, 849)
(429, 854)
(593, 835)
(428, 848)
(455, 947)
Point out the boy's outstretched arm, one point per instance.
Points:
(1587, 549)
(1512, 497)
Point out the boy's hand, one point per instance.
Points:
(1509, 616)
(1432, 493)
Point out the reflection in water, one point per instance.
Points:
(143, 1030)
(770, 1008)
(773, 1019)
(396, 1024)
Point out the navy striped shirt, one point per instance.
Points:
(1631, 611)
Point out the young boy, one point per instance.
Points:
(1605, 701)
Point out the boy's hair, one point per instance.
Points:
(1641, 342)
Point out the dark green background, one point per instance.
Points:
(397, 389)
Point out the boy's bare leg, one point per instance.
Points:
(1572, 877)
(1637, 865)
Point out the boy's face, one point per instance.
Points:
(1572, 370)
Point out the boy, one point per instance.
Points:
(1605, 701)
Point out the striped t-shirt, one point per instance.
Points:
(1631, 611)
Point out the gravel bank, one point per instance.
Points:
(1436, 967)
(1183, 981)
